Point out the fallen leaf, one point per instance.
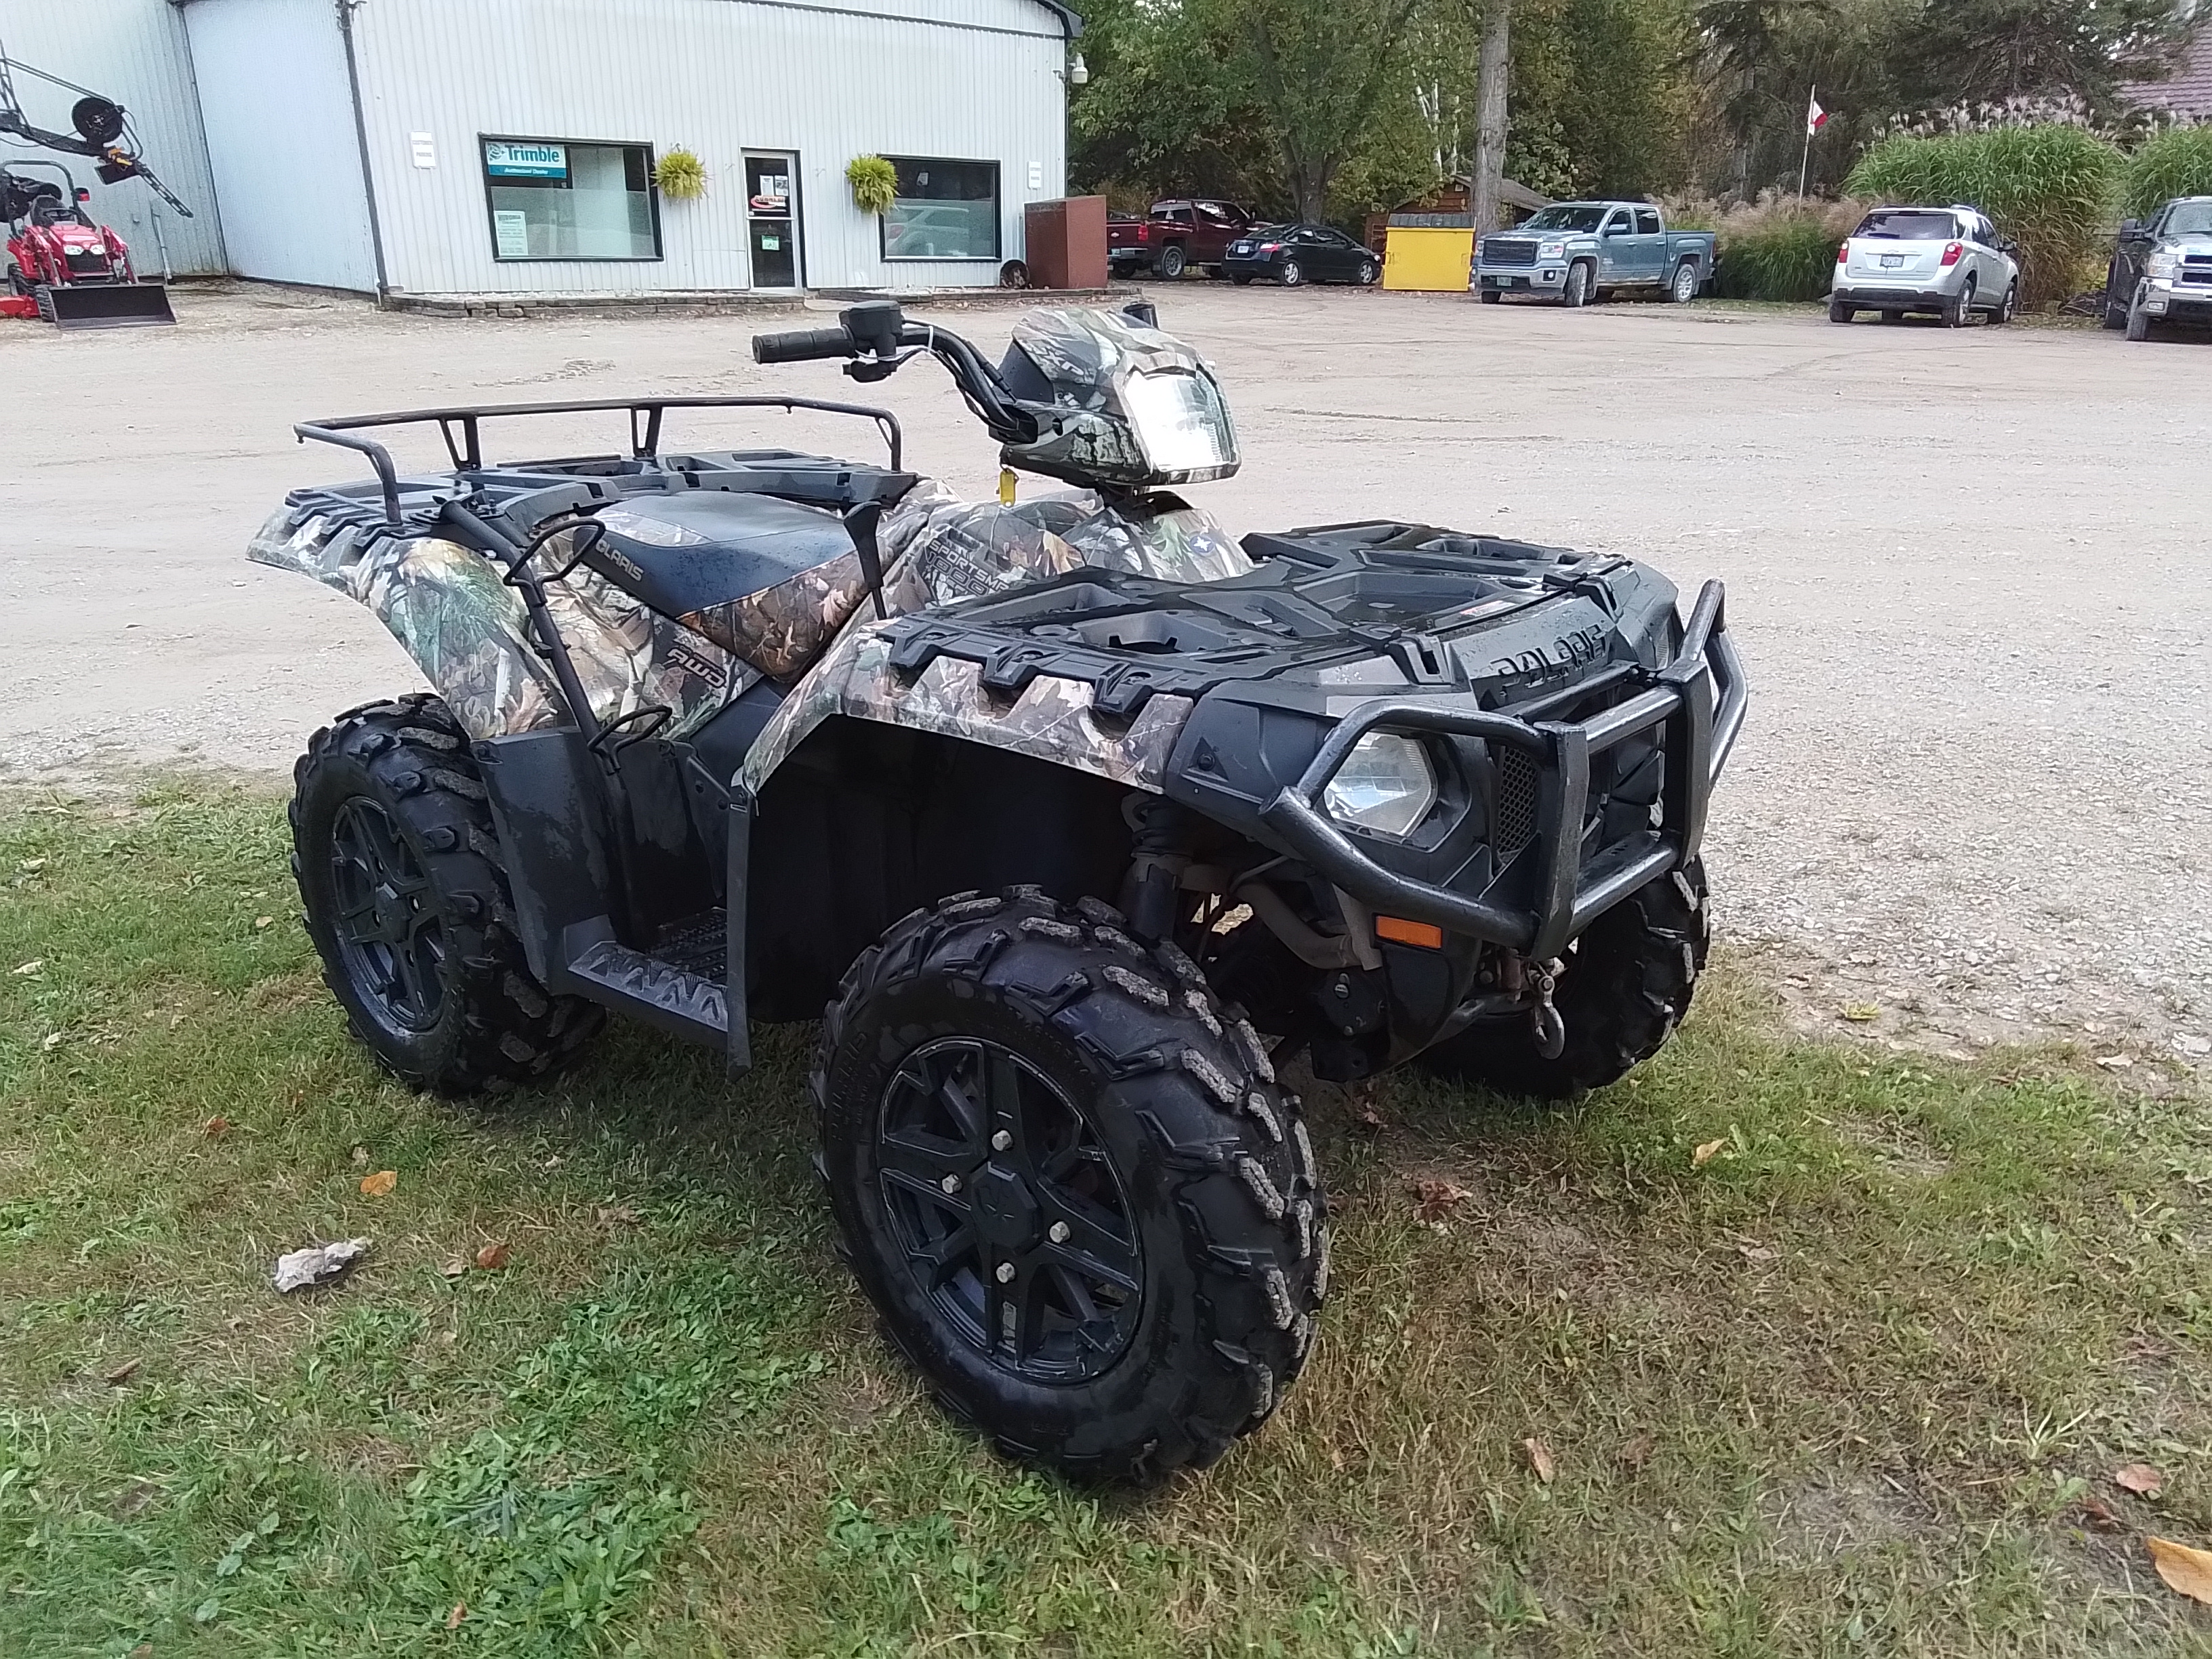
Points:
(1862, 1013)
(1702, 1153)
(2183, 1568)
(1638, 1452)
(53, 1039)
(492, 1257)
(124, 1373)
(456, 1267)
(216, 1126)
(2140, 1478)
(616, 1215)
(32, 867)
(1433, 1199)
(380, 1183)
(1757, 1252)
(1540, 1459)
(453, 1619)
(133, 1499)
(260, 922)
(2116, 1062)
(2098, 1513)
(30, 967)
(1368, 1121)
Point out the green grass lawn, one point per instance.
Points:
(1855, 1384)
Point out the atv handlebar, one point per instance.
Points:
(879, 340)
(803, 345)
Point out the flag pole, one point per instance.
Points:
(1805, 161)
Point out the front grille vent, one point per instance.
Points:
(1508, 253)
(1516, 801)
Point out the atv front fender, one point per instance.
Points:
(1050, 720)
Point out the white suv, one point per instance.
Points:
(1949, 260)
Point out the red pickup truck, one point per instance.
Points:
(1178, 235)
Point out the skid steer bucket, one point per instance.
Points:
(106, 304)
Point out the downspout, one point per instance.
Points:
(345, 10)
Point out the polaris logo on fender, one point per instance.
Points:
(1568, 652)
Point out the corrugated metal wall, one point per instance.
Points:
(133, 51)
(978, 80)
(280, 138)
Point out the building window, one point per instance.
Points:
(943, 211)
(554, 199)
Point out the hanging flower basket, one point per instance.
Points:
(874, 182)
(679, 176)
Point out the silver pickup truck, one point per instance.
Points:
(1574, 252)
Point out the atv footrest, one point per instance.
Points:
(667, 994)
(698, 945)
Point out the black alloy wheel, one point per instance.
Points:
(1013, 1221)
(1173, 262)
(389, 937)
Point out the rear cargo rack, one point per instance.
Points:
(459, 428)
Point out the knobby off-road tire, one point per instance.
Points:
(1190, 1172)
(397, 861)
(1627, 983)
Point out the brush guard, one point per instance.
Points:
(1697, 702)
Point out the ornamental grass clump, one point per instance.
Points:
(1775, 248)
(2051, 187)
(2175, 162)
(680, 176)
(874, 182)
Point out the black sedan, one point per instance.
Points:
(1291, 254)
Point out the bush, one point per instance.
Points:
(680, 176)
(2051, 188)
(2176, 162)
(1775, 248)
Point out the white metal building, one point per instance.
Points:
(435, 147)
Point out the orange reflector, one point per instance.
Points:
(1409, 933)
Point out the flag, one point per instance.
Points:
(1815, 117)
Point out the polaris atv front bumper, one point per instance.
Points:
(1694, 707)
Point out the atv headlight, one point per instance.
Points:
(1183, 425)
(1386, 786)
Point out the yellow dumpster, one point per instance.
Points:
(1428, 252)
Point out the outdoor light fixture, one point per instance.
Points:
(1079, 72)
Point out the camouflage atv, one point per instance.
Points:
(1057, 807)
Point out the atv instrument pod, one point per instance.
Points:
(1385, 787)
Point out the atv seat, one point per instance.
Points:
(769, 580)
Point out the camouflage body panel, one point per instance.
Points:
(941, 548)
(1050, 720)
(468, 632)
(1089, 358)
(781, 630)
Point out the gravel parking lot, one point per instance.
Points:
(1969, 572)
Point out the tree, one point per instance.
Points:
(1316, 71)
(1974, 52)
(1490, 86)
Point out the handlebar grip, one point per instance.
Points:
(802, 345)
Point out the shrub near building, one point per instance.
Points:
(1775, 248)
(2051, 188)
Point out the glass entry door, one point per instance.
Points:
(772, 220)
